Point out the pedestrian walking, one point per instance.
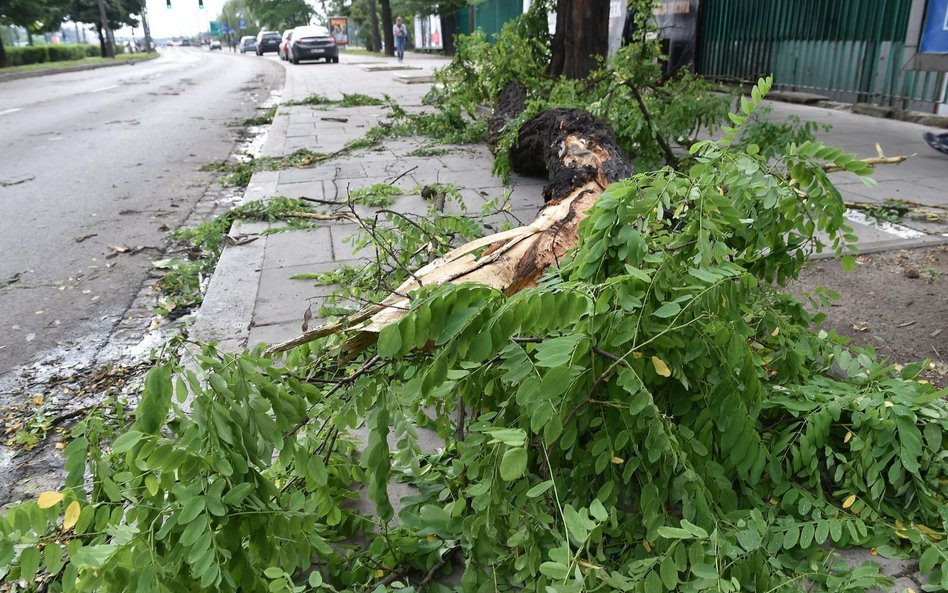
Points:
(401, 36)
(937, 141)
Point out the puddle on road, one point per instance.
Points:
(254, 136)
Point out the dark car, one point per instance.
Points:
(313, 43)
(268, 41)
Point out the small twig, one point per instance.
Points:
(437, 566)
(16, 181)
(321, 215)
(366, 367)
(70, 415)
(611, 356)
(392, 182)
(670, 158)
(393, 576)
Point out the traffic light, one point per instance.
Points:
(168, 4)
(201, 4)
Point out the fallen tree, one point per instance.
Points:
(650, 412)
(579, 156)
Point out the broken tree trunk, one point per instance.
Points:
(579, 155)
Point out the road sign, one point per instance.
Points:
(225, 28)
(935, 31)
(243, 23)
(215, 28)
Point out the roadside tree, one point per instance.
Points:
(36, 16)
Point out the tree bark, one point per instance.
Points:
(581, 37)
(449, 30)
(374, 21)
(579, 155)
(3, 54)
(102, 50)
(387, 28)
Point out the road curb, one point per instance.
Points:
(37, 73)
(893, 245)
(226, 313)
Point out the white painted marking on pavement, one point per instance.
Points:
(105, 88)
(7, 111)
(902, 232)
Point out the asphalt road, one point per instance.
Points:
(106, 157)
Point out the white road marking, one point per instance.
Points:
(7, 111)
(105, 88)
(902, 232)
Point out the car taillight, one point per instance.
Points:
(332, 41)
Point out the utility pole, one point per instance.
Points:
(106, 33)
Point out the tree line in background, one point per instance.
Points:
(44, 16)
(371, 20)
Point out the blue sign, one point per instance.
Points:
(243, 23)
(224, 28)
(935, 31)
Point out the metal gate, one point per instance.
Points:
(848, 50)
(488, 16)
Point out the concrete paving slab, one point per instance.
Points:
(282, 299)
(388, 67)
(342, 247)
(273, 334)
(413, 79)
(296, 129)
(262, 185)
(298, 247)
(330, 170)
(305, 189)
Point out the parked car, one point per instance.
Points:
(268, 41)
(248, 43)
(284, 51)
(215, 44)
(313, 42)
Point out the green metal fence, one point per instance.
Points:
(489, 16)
(848, 50)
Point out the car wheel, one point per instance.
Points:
(295, 59)
(335, 60)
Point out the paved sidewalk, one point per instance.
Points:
(923, 178)
(252, 298)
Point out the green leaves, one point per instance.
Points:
(513, 464)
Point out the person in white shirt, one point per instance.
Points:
(401, 36)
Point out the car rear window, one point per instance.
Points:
(314, 32)
(272, 36)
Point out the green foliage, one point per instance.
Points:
(655, 415)
(238, 174)
(277, 15)
(379, 195)
(262, 120)
(41, 54)
(348, 100)
(448, 125)
(672, 111)
(775, 136)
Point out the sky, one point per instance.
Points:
(183, 19)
